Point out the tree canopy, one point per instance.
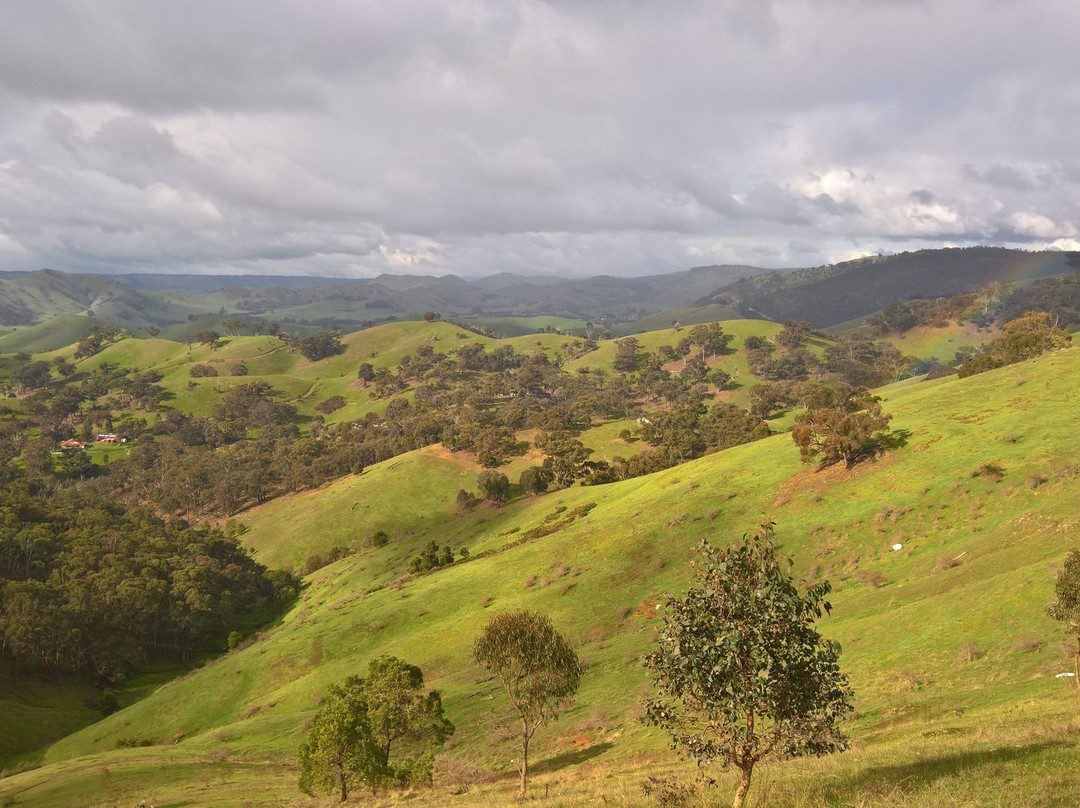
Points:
(740, 672)
(361, 723)
(537, 667)
(852, 428)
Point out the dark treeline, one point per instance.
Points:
(92, 586)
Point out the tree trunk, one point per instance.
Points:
(1076, 662)
(744, 784)
(524, 758)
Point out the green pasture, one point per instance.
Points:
(942, 555)
(51, 336)
(525, 326)
(945, 639)
(686, 316)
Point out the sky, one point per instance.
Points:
(570, 137)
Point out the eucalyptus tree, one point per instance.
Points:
(741, 673)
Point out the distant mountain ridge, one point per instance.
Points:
(137, 302)
(824, 296)
(834, 294)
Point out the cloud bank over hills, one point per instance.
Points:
(356, 138)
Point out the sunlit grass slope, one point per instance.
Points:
(524, 326)
(942, 344)
(950, 653)
(687, 316)
(50, 336)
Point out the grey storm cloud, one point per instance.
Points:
(352, 138)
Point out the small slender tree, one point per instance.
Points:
(741, 673)
(538, 669)
(1066, 606)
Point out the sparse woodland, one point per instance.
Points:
(114, 562)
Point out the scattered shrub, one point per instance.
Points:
(991, 471)
(1035, 480)
(969, 652)
(1027, 643)
(947, 563)
(670, 792)
(108, 703)
(457, 776)
(332, 404)
(200, 371)
(872, 577)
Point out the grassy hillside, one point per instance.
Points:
(37, 297)
(951, 656)
(687, 315)
(523, 326)
(51, 336)
(734, 361)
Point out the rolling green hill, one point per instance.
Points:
(58, 333)
(951, 656)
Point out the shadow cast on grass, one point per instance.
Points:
(918, 775)
(574, 758)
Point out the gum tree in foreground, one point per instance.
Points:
(357, 734)
(741, 673)
(537, 667)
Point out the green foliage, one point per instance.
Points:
(362, 722)
(108, 703)
(330, 405)
(1066, 605)
(340, 751)
(537, 667)
(93, 588)
(403, 715)
(741, 673)
(1023, 338)
(321, 345)
(432, 557)
(466, 500)
(207, 337)
(495, 486)
(853, 429)
(534, 480)
(626, 354)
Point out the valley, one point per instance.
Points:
(942, 549)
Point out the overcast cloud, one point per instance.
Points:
(575, 137)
